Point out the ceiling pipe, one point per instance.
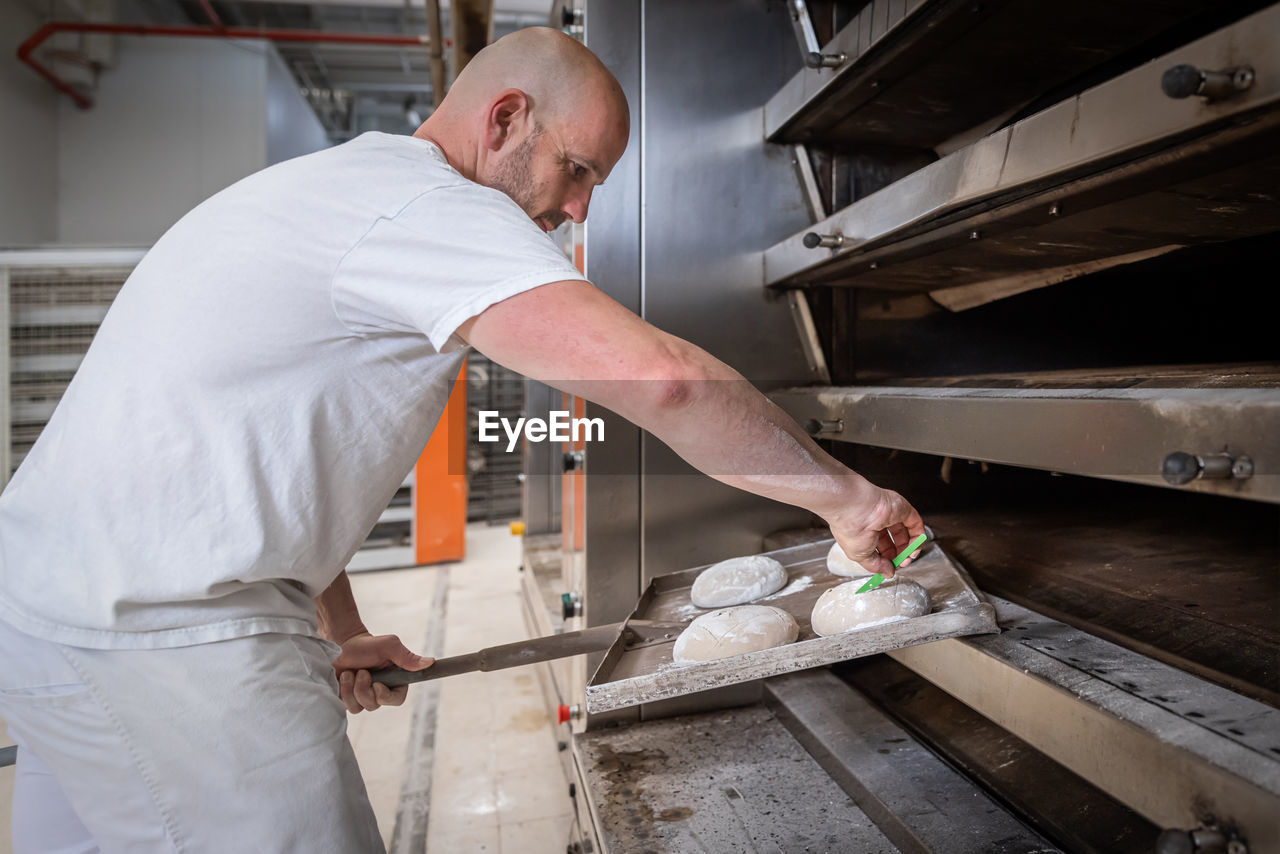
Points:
(212, 15)
(28, 47)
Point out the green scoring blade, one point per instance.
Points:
(876, 580)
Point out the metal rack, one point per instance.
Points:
(915, 73)
(1123, 168)
(493, 485)
(1054, 422)
(1115, 174)
(51, 304)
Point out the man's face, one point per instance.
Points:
(552, 172)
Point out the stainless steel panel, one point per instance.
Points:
(1205, 191)
(1117, 434)
(607, 574)
(676, 235)
(540, 489)
(585, 811)
(730, 781)
(1173, 747)
(864, 30)
(1119, 118)
(871, 24)
(715, 196)
(890, 774)
(879, 19)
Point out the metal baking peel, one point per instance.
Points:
(630, 635)
(633, 633)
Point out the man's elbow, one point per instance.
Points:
(670, 391)
(667, 384)
(672, 394)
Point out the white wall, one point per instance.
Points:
(292, 127)
(28, 138)
(175, 121)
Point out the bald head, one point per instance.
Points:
(557, 73)
(538, 116)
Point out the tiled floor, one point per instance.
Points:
(496, 785)
(495, 779)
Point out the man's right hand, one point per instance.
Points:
(876, 527)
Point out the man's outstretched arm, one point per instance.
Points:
(571, 336)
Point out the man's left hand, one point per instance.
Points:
(364, 652)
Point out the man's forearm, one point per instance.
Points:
(337, 613)
(721, 425)
(758, 448)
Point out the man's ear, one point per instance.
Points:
(507, 114)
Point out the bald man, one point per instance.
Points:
(180, 644)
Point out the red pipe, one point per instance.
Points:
(212, 15)
(39, 36)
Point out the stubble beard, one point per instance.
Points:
(514, 176)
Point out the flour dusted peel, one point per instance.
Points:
(843, 608)
(737, 580)
(838, 563)
(734, 631)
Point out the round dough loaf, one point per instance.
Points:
(841, 564)
(843, 608)
(734, 631)
(737, 580)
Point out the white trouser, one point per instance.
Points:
(235, 746)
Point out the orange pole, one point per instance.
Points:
(573, 486)
(440, 484)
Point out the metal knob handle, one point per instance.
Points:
(573, 460)
(1202, 840)
(814, 427)
(570, 605)
(1183, 81)
(813, 240)
(813, 59)
(1180, 468)
(570, 18)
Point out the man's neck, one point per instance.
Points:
(452, 144)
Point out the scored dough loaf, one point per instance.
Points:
(737, 580)
(843, 608)
(839, 563)
(734, 631)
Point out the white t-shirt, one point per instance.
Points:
(255, 396)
